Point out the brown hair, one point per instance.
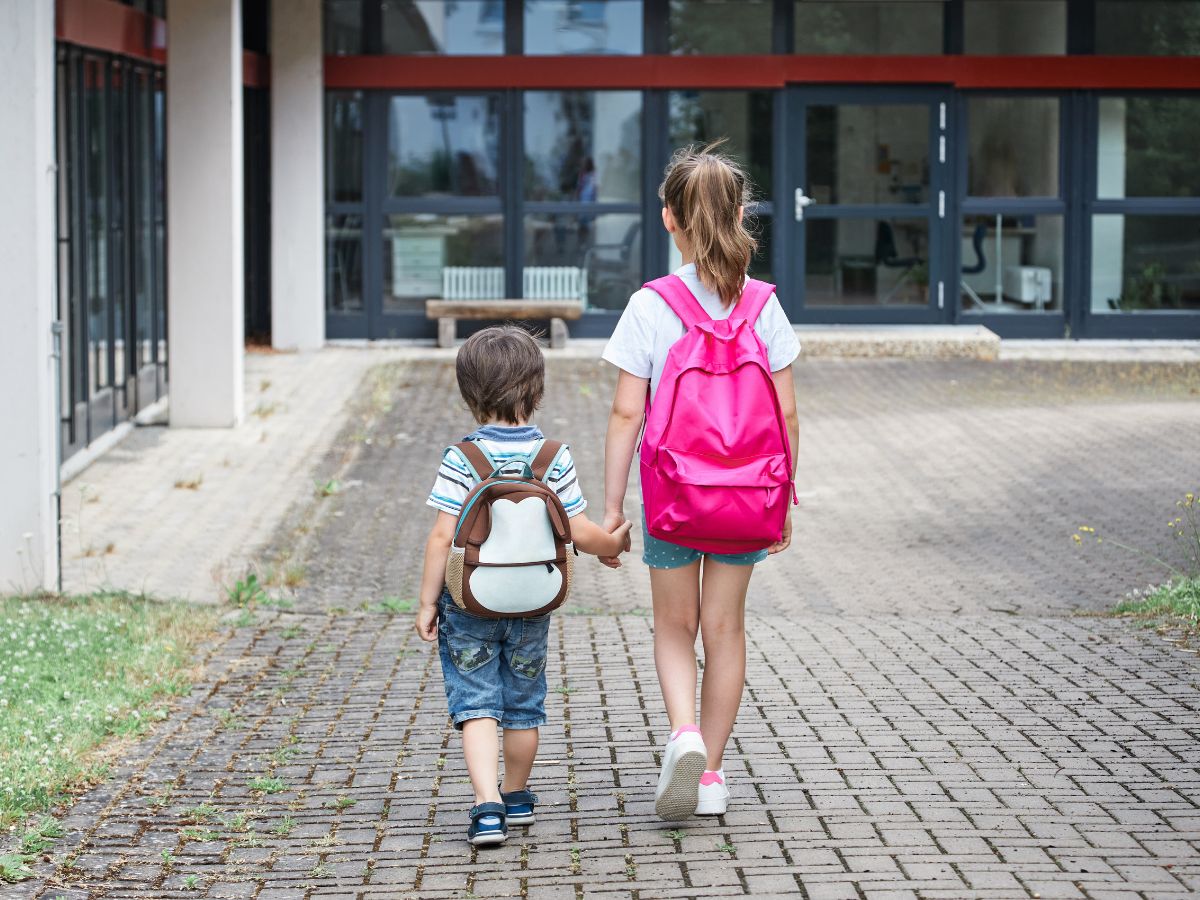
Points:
(704, 190)
(501, 374)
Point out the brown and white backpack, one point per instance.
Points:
(512, 554)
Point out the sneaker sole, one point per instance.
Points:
(711, 809)
(488, 838)
(679, 798)
(519, 820)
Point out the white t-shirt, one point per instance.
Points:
(648, 327)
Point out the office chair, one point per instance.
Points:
(980, 264)
(885, 255)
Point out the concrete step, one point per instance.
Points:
(899, 341)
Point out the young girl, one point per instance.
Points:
(704, 197)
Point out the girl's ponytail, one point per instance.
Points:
(705, 192)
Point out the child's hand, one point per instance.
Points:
(619, 535)
(785, 539)
(426, 623)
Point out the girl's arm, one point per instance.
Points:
(590, 538)
(624, 423)
(785, 389)
(437, 551)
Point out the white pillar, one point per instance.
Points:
(297, 176)
(28, 449)
(204, 211)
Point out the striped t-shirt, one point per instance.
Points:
(504, 443)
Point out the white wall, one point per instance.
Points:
(297, 177)
(204, 212)
(28, 454)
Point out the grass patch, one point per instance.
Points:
(76, 672)
(1176, 603)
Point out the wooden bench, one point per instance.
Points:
(448, 312)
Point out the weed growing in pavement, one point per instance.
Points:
(247, 591)
(328, 488)
(395, 606)
(285, 827)
(267, 785)
(565, 689)
(190, 484)
(74, 672)
(1176, 601)
(341, 803)
(195, 833)
(168, 858)
(320, 870)
(36, 840)
(727, 848)
(677, 834)
(191, 882)
(227, 719)
(205, 812)
(292, 631)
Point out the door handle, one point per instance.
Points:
(802, 200)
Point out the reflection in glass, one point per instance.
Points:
(603, 253)
(1013, 146)
(95, 203)
(343, 263)
(1147, 147)
(1148, 27)
(866, 262)
(452, 27)
(451, 256)
(570, 27)
(869, 27)
(868, 154)
(1015, 27)
(143, 176)
(342, 27)
(583, 145)
(1145, 263)
(1011, 263)
(720, 27)
(697, 117)
(343, 147)
(443, 145)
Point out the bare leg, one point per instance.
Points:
(676, 595)
(520, 750)
(481, 747)
(722, 626)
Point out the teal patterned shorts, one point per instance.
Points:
(659, 554)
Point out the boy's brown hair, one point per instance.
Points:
(501, 374)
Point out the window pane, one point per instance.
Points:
(1143, 263)
(456, 257)
(698, 117)
(868, 154)
(1011, 263)
(869, 27)
(1013, 146)
(455, 27)
(583, 145)
(343, 263)
(1148, 27)
(1016, 27)
(722, 27)
(1147, 147)
(443, 146)
(602, 254)
(565, 27)
(866, 262)
(343, 147)
(96, 219)
(343, 31)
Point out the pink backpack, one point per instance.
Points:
(715, 462)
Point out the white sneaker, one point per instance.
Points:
(713, 794)
(683, 763)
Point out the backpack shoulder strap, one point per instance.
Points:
(754, 297)
(677, 296)
(544, 458)
(477, 457)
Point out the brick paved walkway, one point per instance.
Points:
(923, 717)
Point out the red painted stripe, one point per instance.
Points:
(256, 69)
(746, 72)
(112, 27)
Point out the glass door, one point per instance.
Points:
(869, 181)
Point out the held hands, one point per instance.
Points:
(617, 526)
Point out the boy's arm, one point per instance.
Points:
(437, 551)
(590, 538)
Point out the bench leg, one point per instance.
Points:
(446, 331)
(558, 334)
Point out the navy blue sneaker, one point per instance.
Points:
(487, 825)
(519, 806)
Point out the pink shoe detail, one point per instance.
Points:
(711, 778)
(684, 729)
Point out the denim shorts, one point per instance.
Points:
(658, 554)
(493, 668)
